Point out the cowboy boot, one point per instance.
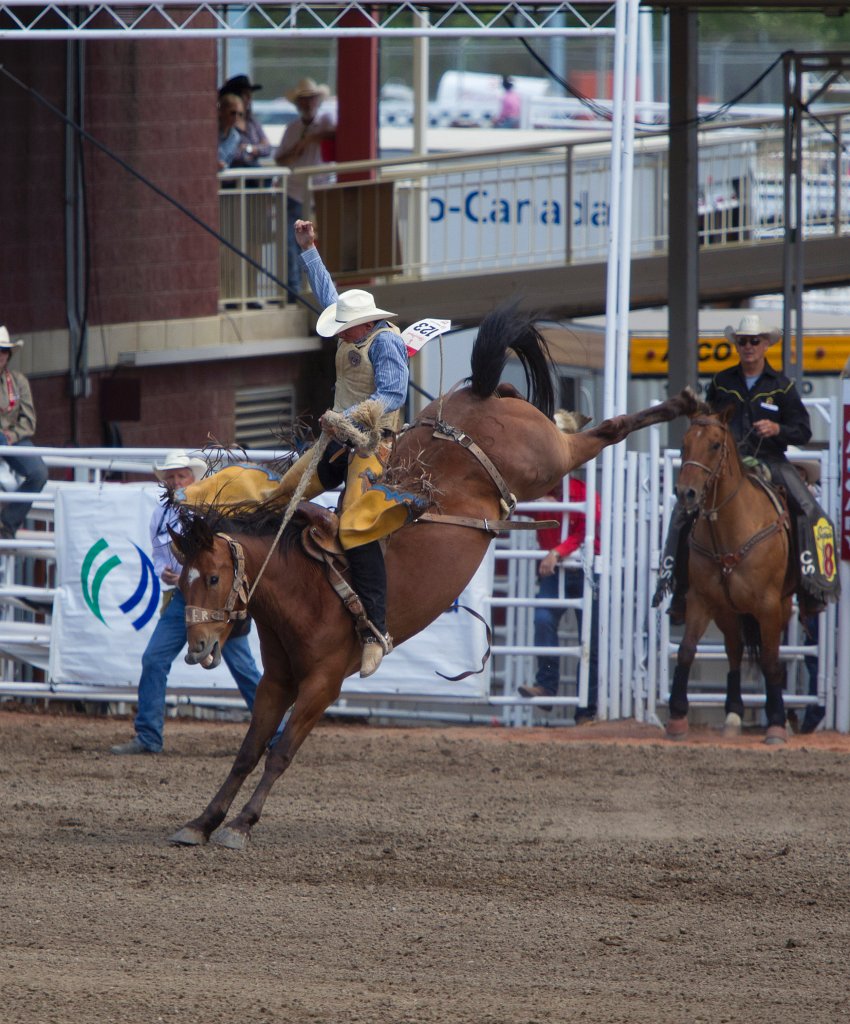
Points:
(369, 579)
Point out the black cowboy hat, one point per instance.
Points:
(238, 84)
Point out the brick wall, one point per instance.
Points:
(182, 404)
(32, 239)
(153, 104)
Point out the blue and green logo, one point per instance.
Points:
(93, 575)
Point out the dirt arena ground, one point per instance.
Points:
(593, 875)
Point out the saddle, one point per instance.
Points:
(320, 540)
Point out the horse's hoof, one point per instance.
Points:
(187, 836)
(230, 838)
(776, 735)
(732, 725)
(677, 729)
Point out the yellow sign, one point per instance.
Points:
(822, 353)
(825, 544)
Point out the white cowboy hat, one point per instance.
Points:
(351, 309)
(810, 468)
(752, 327)
(570, 422)
(307, 87)
(6, 342)
(179, 459)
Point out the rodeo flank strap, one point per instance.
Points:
(488, 525)
(446, 432)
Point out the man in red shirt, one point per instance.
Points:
(546, 619)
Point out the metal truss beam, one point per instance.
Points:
(76, 19)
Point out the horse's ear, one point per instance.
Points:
(726, 413)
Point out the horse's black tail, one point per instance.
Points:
(751, 635)
(505, 329)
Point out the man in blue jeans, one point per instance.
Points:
(178, 469)
(547, 619)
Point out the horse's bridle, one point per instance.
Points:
(713, 475)
(238, 591)
(726, 560)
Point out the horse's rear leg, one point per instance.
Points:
(269, 708)
(587, 444)
(774, 681)
(696, 623)
(315, 694)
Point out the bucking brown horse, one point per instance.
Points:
(482, 448)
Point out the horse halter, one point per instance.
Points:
(238, 590)
(713, 474)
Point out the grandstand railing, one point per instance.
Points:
(541, 199)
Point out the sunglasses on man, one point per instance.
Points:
(746, 340)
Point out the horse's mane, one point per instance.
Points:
(504, 329)
(199, 526)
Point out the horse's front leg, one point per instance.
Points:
(696, 623)
(315, 694)
(729, 624)
(270, 706)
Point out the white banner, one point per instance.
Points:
(108, 601)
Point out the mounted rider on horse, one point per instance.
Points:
(766, 415)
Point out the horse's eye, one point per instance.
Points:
(716, 446)
(213, 580)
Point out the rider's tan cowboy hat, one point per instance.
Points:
(6, 342)
(351, 309)
(752, 327)
(810, 468)
(570, 422)
(179, 459)
(307, 87)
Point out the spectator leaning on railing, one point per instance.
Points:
(303, 145)
(256, 145)
(17, 422)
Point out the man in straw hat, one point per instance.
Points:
(17, 423)
(302, 146)
(177, 469)
(557, 581)
(767, 415)
(371, 363)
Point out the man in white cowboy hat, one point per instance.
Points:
(177, 469)
(767, 414)
(302, 146)
(371, 363)
(17, 424)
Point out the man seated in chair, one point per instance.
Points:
(767, 415)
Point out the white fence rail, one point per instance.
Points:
(646, 648)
